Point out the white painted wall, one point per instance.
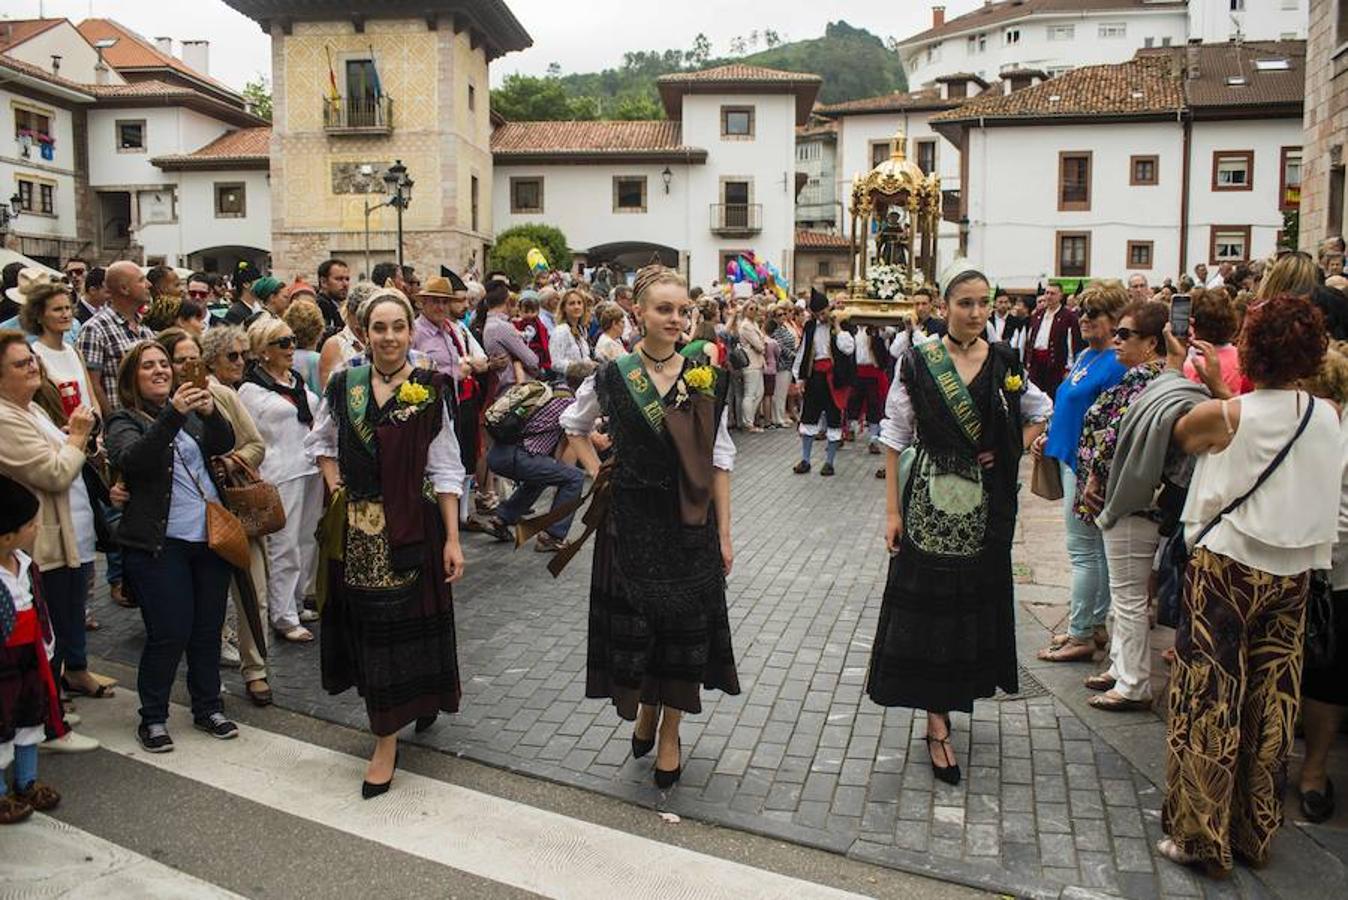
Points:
(578, 199)
(78, 57)
(197, 227)
(1257, 207)
(168, 131)
(1261, 20)
(1040, 46)
(855, 136)
(1013, 204)
(60, 169)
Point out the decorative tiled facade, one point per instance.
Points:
(427, 74)
(1326, 122)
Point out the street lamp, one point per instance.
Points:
(668, 176)
(10, 211)
(399, 197)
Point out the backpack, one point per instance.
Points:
(506, 417)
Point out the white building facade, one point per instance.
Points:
(1056, 36)
(713, 182)
(1152, 166)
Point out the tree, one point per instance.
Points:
(636, 107)
(737, 46)
(771, 38)
(513, 246)
(701, 52)
(257, 94)
(554, 69)
(527, 98)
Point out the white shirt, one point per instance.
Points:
(443, 463)
(846, 345)
(81, 510)
(1215, 280)
(282, 432)
(863, 345)
(996, 328)
(1041, 336)
(607, 349)
(66, 365)
(564, 349)
(579, 419)
(897, 427)
(19, 591)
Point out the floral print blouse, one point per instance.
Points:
(1100, 432)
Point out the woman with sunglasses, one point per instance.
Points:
(283, 408)
(1130, 543)
(1096, 370)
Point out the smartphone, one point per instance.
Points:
(194, 372)
(1181, 307)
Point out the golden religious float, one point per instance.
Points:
(896, 217)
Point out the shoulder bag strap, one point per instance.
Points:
(1263, 476)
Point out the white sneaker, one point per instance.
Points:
(229, 655)
(308, 615)
(72, 719)
(72, 742)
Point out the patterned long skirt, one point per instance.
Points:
(1234, 693)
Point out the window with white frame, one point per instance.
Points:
(37, 196)
(1237, 5)
(1012, 36)
(1111, 30)
(1289, 188)
(1230, 244)
(982, 43)
(971, 45)
(1062, 32)
(1232, 170)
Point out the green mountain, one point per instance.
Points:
(853, 63)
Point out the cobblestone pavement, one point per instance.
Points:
(1053, 802)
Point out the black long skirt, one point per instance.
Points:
(947, 631)
(657, 659)
(396, 644)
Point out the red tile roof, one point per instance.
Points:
(15, 31)
(592, 139)
(1141, 87)
(739, 72)
(990, 14)
(1217, 63)
(162, 93)
(899, 101)
(739, 78)
(241, 148)
(37, 72)
(131, 51)
(820, 240)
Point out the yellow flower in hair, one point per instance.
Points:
(413, 394)
(700, 378)
(1014, 383)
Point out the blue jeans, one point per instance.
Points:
(531, 475)
(182, 594)
(66, 591)
(1090, 571)
(112, 515)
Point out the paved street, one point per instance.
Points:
(1058, 799)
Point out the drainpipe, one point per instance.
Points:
(1187, 126)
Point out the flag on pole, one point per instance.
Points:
(333, 94)
(374, 72)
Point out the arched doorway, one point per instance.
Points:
(632, 255)
(226, 259)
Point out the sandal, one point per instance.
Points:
(1112, 702)
(297, 635)
(102, 692)
(13, 810)
(1098, 634)
(120, 596)
(1071, 650)
(1101, 681)
(1171, 851)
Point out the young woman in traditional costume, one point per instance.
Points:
(659, 632)
(385, 443)
(958, 417)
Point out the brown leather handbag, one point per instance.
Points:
(224, 532)
(255, 502)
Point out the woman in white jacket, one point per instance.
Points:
(568, 342)
(283, 408)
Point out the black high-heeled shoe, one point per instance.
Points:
(369, 790)
(948, 774)
(424, 723)
(641, 746)
(665, 780)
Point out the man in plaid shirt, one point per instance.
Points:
(533, 466)
(105, 339)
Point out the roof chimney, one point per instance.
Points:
(164, 45)
(56, 64)
(100, 72)
(1191, 58)
(197, 56)
(937, 16)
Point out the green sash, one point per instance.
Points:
(693, 349)
(357, 401)
(952, 387)
(642, 391)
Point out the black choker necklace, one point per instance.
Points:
(659, 363)
(389, 376)
(964, 346)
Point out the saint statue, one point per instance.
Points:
(891, 244)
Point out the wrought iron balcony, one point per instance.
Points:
(736, 218)
(358, 115)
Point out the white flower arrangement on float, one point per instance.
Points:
(886, 281)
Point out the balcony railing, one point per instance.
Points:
(358, 115)
(737, 218)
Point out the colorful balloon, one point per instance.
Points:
(536, 260)
(732, 270)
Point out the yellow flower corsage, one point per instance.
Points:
(413, 394)
(1014, 383)
(700, 378)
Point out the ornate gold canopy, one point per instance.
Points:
(896, 214)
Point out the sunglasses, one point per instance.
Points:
(284, 343)
(234, 355)
(1092, 313)
(76, 272)
(199, 295)
(1124, 334)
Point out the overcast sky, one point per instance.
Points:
(582, 37)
